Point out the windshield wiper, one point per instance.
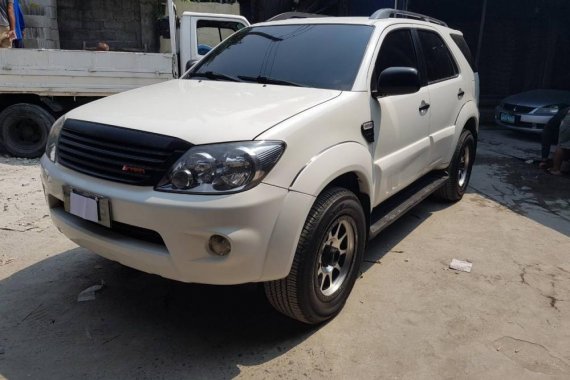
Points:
(214, 76)
(266, 80)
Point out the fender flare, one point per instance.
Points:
(321, 170)
(331, 163)
(467, 112)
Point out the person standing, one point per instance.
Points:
(550, 135)
(7, 23)
(563, 148)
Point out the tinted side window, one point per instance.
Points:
(439, 62)
(462, 45)
(397, 51)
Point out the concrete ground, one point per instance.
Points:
(409, 316)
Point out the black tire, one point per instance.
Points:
(25, 129)
(304, 294)
(456, 185)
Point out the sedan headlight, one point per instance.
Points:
(222, 168)
(550, 110)
(51, 145)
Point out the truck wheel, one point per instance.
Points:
(25, 128)
(327, 260)
(459, 169)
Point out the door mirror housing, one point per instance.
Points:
(190, 63)
(397, 81)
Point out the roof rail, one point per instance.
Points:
(290, 15)
(395, 13)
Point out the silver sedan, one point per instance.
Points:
(530, 111)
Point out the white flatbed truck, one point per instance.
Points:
(39, 85)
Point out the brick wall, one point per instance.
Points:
(123, 24)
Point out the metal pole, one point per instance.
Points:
(172, 22)
(481, 30)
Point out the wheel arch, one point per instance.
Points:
(55, 105)
(352, 182)
(472, 125)
(49, 104)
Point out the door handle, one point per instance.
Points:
(424, 107)
(460, 94)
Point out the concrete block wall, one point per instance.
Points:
(41, 24)
(124, 24)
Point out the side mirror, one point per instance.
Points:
(190, 63)
(397, 81)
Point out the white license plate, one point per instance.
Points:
(87, 206)
(84, 207)
(507, 118)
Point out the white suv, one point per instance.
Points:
(275, 159)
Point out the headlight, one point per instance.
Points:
(552, 109)
(53, 137)
(222, 168)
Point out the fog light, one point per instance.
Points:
(220, 245)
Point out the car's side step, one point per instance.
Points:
(391, 209)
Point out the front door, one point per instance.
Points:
(402, 149)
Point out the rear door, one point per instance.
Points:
(402, 150)
(447, 91)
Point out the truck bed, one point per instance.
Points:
(80, 73)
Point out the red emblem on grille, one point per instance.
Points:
(133, 169)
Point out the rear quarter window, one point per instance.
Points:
(462, 45)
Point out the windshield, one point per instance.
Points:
(318, 55)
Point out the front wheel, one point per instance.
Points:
(459, 169)
(327, 260)
(24, 129)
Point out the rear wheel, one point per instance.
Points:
(25, 128)
(460, 169)
(326, 262)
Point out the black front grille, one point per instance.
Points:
(118, 154)
(517, 109)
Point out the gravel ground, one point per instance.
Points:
(409, 317)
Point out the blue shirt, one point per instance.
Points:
(20, 23)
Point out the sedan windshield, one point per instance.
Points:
(318, 55)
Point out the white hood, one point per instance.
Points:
(203, 112)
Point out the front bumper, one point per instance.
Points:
(263, 225)
(524, 122)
